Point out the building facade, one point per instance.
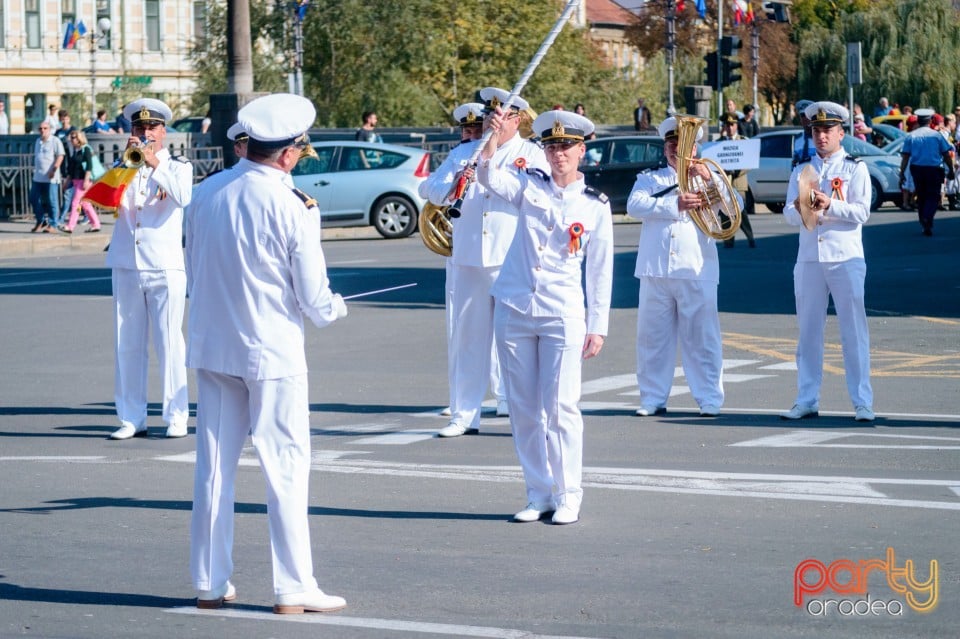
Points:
(130, 48)
(608, 22)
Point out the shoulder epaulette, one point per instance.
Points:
(539, 173)
(806, 159)
(600, 195)
(850, 158)
(181, 158)
(308, 201)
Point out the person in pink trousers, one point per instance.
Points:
(79, 167)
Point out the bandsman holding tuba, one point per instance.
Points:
(679, 274)
(481, 236)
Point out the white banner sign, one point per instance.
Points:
(733, 154)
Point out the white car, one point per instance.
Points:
(768, 182)
(361, 184)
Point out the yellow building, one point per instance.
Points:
(131, 48)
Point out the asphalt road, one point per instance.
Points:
(691, 527)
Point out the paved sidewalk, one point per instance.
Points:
(16, 240)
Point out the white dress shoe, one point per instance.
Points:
(864, 414)
(446, 412)
(503, 408)
(649, 411)
(709, 410)
(455, 429)
(213, 599)
(311, 601)
(799, 411)
(533, 512)
(128, 430)
(566, 515)
(177, 429)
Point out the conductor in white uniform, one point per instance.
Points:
(149, 282)
(543, 328)
(830, 263)
(481, 236)
(255, 268)
(679, 274)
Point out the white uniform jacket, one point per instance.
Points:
(541, 275)
(671, 245)
(149, 229)
(483, 232)
(838, 236)
(254, 267)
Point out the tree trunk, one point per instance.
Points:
(239, 59)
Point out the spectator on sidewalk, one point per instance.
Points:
(48, 155)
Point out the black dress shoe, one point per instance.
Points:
(752, 243)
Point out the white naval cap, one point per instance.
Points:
(236, 133)
(493, 97)
(562, 127)
(668, 129)
(469, 113)
(924, 114)
(826, 114)
(277, 120)
(146, 110)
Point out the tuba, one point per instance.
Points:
(527, 116)
(436, 230)
(719, 216)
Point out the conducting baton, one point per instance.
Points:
(454, 209)
(378, 291)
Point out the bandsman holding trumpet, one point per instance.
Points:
(828, 197)
(543, 327)
(481, 236)
(679, 274)
(149, 281)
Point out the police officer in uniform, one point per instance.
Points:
(542, 328)
(481, 236)
(830, 263)
(803, 148)
(926, 152)
(255, 268)
(679, 274)
(149, 282)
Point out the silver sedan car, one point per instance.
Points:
(361, 184)
(768, 183)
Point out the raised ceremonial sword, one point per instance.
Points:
(378, 291)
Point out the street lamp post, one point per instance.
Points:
(96, 35)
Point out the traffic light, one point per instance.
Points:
(711, 60)
(729, 46)
(778, 11)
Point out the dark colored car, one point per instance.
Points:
(611, 164)
(193, 124)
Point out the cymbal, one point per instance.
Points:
(807, 181)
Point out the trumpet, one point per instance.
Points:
(133, 157)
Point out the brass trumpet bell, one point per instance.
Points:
(133, 157)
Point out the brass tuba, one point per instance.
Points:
(719, 216)
(527, 116)
(436, 230)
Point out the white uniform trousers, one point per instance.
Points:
(672, 309)
(470, 345)
(275, 413)
(496, 380)
(540, 359)
(813, 283)
(143, 300)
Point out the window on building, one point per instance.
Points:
(31, 19)
(103, 11)
(153, 24)
(199, 22)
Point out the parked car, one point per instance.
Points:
(768, 183)
(884, 134)
(192, 124)
(611, 164)
(359, 184)
(898, 121)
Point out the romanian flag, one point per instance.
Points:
(68, 36)
(107, 192)
(749, 13)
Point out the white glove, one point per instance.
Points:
(339, 306)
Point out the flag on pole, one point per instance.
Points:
(68, 33)
(302, 9)
(702, 8)
(107, 192)
(81, 30)
(749, 12)
(739, 9)
(679, 6)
